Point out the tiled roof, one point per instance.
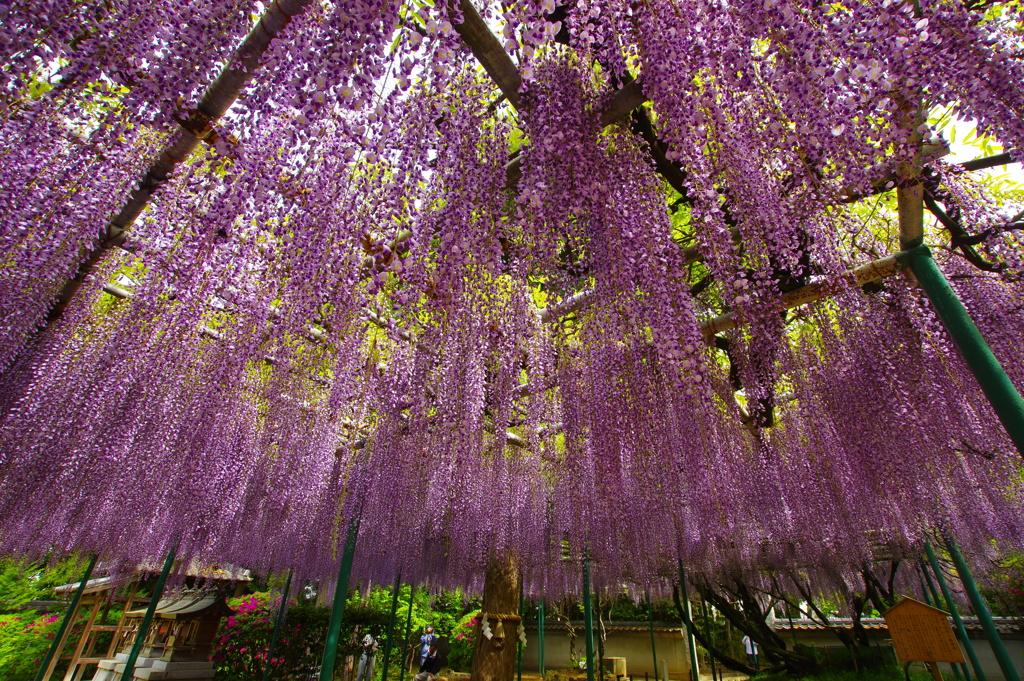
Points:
(1005, 625)
(609, 626)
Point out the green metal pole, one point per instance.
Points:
(338, 608)
(58, 639)
(267, 668)
(540, 637)
(929, 588)
(391, 626)
(707, 633)
(408, 630)
(691, 643)
(588, 617)
(650, 627)
(519, 643)
(926, 579)
(961, 631)
(1001, 393)
(147, 619)
(924, 593)
(981, 610)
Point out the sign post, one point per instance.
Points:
(921, 633)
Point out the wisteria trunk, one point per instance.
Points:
(494, 658)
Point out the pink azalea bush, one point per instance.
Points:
(24, 640)
(240, 649)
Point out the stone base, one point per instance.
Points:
(154, 669)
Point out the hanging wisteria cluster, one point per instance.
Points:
(478, 320)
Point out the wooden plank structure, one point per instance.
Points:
(98, 594)
(178, 644)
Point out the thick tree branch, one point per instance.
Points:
(729, 662)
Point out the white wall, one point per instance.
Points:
(632, 643)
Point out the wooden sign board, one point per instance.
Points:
(921, 633)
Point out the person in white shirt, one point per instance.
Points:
(750, 645)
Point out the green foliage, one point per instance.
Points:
(24, 639)
(1005, 593)
(460, 651)
(622, 608)
(240, 650)
(22, 581)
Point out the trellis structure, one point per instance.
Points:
(588, 334)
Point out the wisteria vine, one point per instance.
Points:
(339, 306)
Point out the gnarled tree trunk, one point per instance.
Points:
(494, 659)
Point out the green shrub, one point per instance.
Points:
(460, 649)
(24, 639)
(240, 649)
(22, 580)
(242, 642)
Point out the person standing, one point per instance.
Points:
(431, 665)
(365, 671)
(751, 647)
(428, 639)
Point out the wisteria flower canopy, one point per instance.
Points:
(501, 279)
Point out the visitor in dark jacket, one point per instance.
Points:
(430, 667)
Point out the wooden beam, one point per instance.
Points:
(87, 633)
(218, 98)
(488, 50)
(933, 149)
(577, 301)
(629, 97)
(873, 271)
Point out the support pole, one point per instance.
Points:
(147, 619)
(650, 627)
(960, 669)
(60, 638)
(1001, 393)
(338, 608)
(599, 658)
(927, 587)
(391, 626)
(690, 642)
(961, 631)
(408, 630)
(540, 637)
(267, 669)
(707, 633)
(981, 610)
(588, 617)
(519, 643)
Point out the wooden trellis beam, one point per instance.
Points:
(873, 271)
(624, 100)
(218, 98)
(487, 49)
(934, 149)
